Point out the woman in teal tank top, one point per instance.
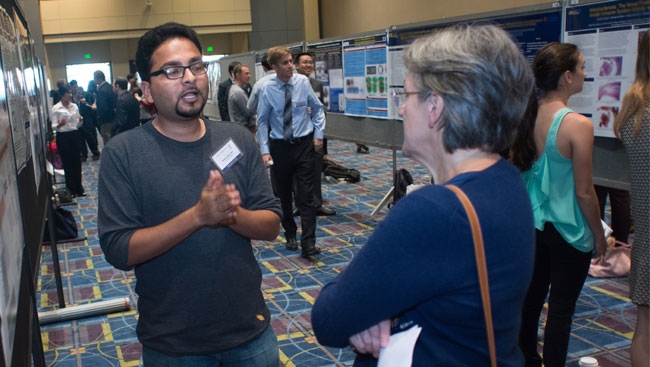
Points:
(554, 154)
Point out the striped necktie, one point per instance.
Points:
(287, 129)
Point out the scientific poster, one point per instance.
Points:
(30, 103)
(11, 229)
(530, 32)
(295, 50)
(11, 68)
(214, 72)
(328, 68)
(365, 76)
(607, 34)
(259, 71)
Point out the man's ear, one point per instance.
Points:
(435, 104)
(146, 90)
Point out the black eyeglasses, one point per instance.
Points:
(178, 71)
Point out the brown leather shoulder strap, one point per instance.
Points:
(481, 265)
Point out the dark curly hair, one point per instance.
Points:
(150, 41)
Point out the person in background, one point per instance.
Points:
(74, 89)
(619, 201)
(222, 92)
(185, 226)
(147, 109)
(89, 126)
(66, 122)
(253, 99)
(127, 110)
(56, 98)
(134, 88)
(238, 99)
(419, 265)
(632, 126)
(290, 123)
(105, 100)
(305, 66)
(557, 173)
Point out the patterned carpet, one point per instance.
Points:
(602, 327)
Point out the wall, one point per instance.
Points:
(276, 22)
(119, 51)
(345, 17)
(75, 20)
(32, 13)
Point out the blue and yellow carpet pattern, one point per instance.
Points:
(603, 324)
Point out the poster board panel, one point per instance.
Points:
(365, 76)
(328, 68)
(607, 34)
(11, 228)
(530, 29)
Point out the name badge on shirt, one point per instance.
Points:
(301, 104)
(227, 155)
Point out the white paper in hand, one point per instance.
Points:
(399, 352)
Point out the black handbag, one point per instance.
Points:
(65, 226)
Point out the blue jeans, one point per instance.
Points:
(261, 352)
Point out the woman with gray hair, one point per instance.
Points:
(464, 96)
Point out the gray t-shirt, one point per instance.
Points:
(239, 113)
(203, 296)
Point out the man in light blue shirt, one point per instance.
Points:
(291, 122)
(254, 97)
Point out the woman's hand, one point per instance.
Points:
(600, 245)
(371, 340)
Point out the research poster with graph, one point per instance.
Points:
(328, 68)
(365, 76)
(607, 34)
(530, 31)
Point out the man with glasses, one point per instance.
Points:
(180, 199)
(290, 124)
(305, 66)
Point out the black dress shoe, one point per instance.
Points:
(325, 211)
(310, 251)
(292, 244)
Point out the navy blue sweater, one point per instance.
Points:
(420, 262)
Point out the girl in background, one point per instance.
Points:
(554, 154)
(632, 126)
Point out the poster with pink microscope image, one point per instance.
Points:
(607, 34)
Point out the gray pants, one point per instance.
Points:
(105, 131)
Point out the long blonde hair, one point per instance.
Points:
(639, 93)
